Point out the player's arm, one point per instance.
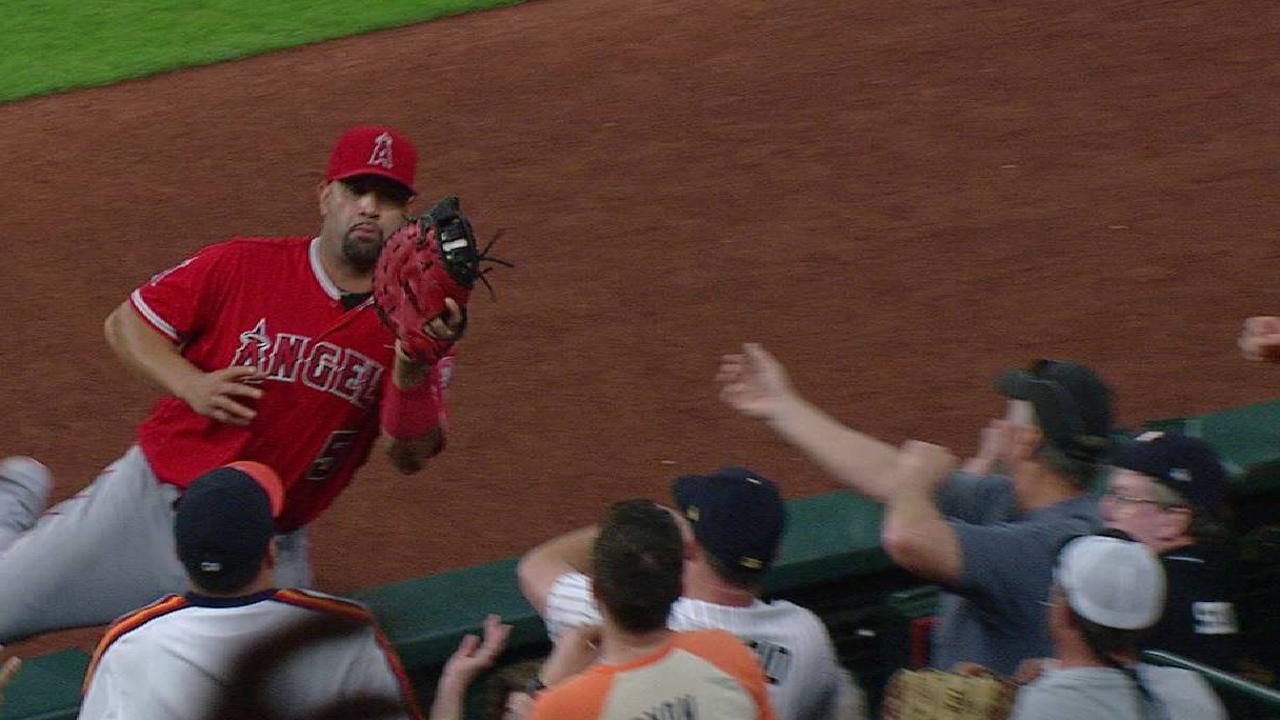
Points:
(415, 408)
(414, 413)
(756, 384)
(914, 533)
(539, 568)
(158, 361)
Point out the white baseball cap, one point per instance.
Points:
(1112, 582)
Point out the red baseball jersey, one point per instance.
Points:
(267, 302)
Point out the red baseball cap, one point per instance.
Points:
(373, 150)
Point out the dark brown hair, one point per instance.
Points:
(636, 565)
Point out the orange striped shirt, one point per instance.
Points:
(696, 675)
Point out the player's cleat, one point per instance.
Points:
(24, 493)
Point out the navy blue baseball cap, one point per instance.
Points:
(1072, 404)
(1187, 465)
(224, 524)
(737, 516)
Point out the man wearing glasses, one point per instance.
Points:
(1167, 491)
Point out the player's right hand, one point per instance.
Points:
(753, 382)
(219, 395)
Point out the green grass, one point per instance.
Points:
(51, 45)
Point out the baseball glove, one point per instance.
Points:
(433, 257)
(935, 695)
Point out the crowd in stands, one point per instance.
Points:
(1062, 549)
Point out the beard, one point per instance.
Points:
(362, 252)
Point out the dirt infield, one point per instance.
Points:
(899, 199)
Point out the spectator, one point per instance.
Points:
(1106, 591)
(1167, 491)
(216, 648)
(1259, 339)
(633, 665)
(508, 695)
(473, 656)
(957, 528)
(732, 522)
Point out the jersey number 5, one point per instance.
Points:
(330, 455)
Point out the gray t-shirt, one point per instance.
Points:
(995, 616)
(1097, 692)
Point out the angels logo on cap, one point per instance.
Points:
(382, 151)
(373, 150)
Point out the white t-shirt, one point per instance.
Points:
(173, 658)
(1074, 693)
(804, 678)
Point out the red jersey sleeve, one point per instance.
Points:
(178, 302)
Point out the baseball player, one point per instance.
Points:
(957, 528)
(732, 523)
(267, 349)
(216, 651)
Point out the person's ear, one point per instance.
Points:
(323, 191)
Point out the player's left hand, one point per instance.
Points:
(449, 324)
(424, 277)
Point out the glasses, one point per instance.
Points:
(1131, 502)
(1126, 500)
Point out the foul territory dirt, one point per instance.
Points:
(898, 199)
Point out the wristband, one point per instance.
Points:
(411, 412)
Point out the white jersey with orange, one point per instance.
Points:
(172, 659)
(803, 676)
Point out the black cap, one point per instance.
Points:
(223, 526)
(737, 516)
(1186, 465)
(1072, 404)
